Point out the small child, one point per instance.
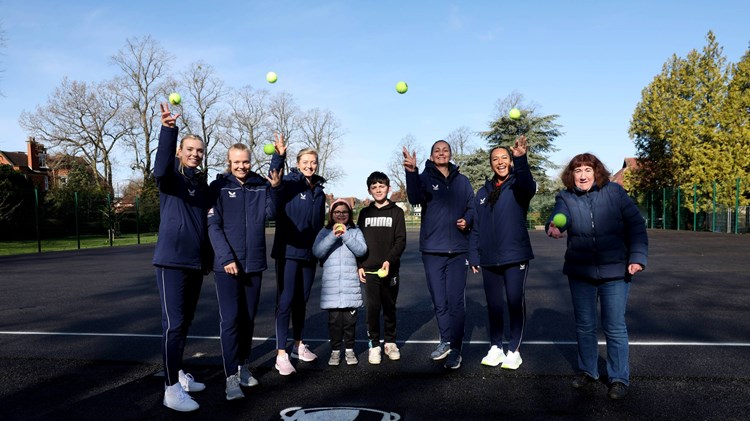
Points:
(384, 229)
(338, 245)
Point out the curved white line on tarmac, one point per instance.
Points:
(141, 335)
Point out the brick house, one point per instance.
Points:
(628, 165)
(32, 163)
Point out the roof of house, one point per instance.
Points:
(17, 159)
(627, 164)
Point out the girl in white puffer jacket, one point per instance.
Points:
(337, 246)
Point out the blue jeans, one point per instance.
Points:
(613, 298)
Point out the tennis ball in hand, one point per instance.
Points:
(514, 113)
(175, 98)
(402, 87)
(560, 220)
(338, 227)
(271, 77)
(382, 273)
(269, 148)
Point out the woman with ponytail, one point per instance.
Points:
(499, 244)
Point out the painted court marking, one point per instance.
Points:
(141, 335)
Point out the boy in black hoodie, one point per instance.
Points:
(384, 228)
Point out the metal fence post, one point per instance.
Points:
(36, 218)
(695, 206)
(78, 232)
(679, 206)
(137, 221)
(737, 208)
(713, 210)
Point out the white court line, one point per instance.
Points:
(140, 335)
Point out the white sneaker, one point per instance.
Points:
(494, 357)
(512, 361)
(246, 377)
(233, 389)
(374, 355)
(189, 384)
(176, 398)
(391, 351)
(335, 358)
(350, 357)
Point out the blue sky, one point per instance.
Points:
(586, 61)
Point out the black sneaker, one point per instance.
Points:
(454, 359)
(582, 380)
(618, 390)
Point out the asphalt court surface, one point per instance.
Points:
(80, 335)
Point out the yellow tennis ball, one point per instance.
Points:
(514, 113)
(382, 273)
(560, 220)
(402, 87)
(271, 77)
(175, 98)
(269, 148)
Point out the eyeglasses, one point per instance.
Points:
(340, 213)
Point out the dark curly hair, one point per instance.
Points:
(601, 174)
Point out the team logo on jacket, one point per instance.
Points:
(211, 212)
(232, 194)
(482, 200)
(522, 266)
(434, 187)
(303, 196)
(191, 193)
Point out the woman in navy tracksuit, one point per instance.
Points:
(300, 217)
(242, 200)
(500, 245)
(607, 246)
(447, 199)
(182, 254)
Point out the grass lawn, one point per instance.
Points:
(71, 243)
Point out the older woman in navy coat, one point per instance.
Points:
(607, 245)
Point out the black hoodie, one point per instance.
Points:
(385, 234)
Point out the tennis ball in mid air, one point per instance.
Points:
(269, 148)
(271, 77)
(382, 273)
(514, 113)
(402, 87)
(175, 98)
(560, 220)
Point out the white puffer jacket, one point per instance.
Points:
(340, 285)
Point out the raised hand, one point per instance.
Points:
(274, 177)
(519, 149)
(167, 119)
(410, 161)
(279, 144)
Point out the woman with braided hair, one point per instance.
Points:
(499, 244)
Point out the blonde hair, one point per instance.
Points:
(238, 147)
(307, 151)
(179, 148)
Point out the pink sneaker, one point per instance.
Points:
(303, 353)
(284, 366)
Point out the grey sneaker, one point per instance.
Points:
(454, 359)
(233, 388)
(441, 351)
(350, 357)
(246, 377)
(335, 358)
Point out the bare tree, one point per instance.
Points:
(460, 141)
(202, 110)
(396, 164)
(3, 39)
(249, 122)
(283, 115)
(320, 131)
(83, 120)
(144, 65)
